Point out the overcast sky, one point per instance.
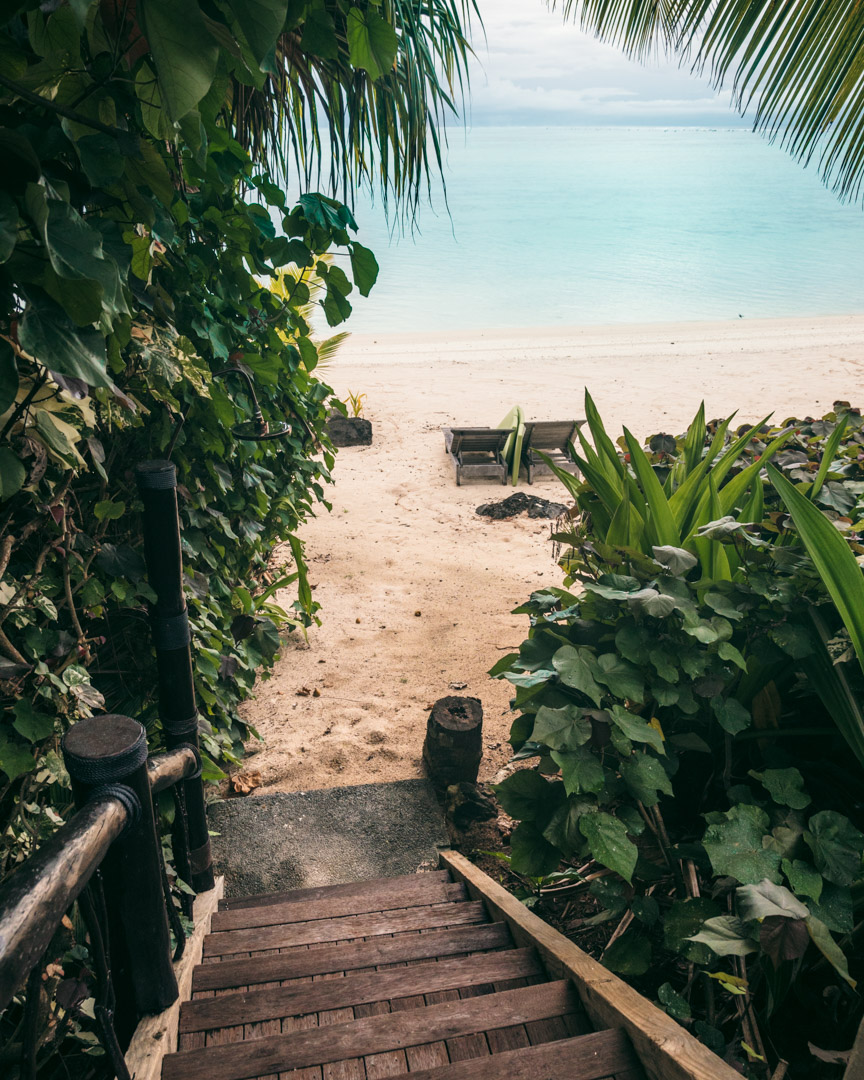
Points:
(535, 69)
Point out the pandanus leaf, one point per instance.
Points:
(571, 482)
(731, 493)
(828, 455)
(687, 496)
(842, 577)
(614, 482)
(712, 554)
(694, 444)
(603, 444)
(595, 476)
(832, 686)
(661, 523)
(627, 525)
(753, 511)
(730, 456)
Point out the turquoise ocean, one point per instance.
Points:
(572, 226)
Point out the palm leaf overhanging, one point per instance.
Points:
(799, 64)
(332, 122)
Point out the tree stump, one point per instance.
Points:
(454, 740)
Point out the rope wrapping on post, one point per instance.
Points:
(181, 727)
(106, 770)
(170, 631)
(156, 475)
(125, 795)
(198, 760)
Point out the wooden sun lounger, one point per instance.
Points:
(552, 437)
(477, 451)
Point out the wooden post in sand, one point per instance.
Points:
(454, 740)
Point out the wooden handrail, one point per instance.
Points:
(165, 770)
(35, 896)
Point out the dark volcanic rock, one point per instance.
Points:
(349, 431)
(518, 503)
(467, 803)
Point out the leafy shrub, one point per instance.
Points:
(680, 704)
(134, 257)
(146, 246)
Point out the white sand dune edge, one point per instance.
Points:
(403, 539)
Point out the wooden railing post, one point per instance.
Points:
(157, 483)
(108, 755)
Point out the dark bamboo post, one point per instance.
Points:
(108, 755)
(157, 483)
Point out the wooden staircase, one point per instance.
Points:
(378, 979)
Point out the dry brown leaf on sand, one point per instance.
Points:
(245, 782)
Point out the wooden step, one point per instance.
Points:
(322, 892)
(361, 989)
(415, 891)
(372, 1035)
(344, 929)
(300, 962)
(601, 1055)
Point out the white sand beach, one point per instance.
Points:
(416, 590)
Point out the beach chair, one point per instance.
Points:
(477, 451)
(552, 437)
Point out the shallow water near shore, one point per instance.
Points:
(575, 226)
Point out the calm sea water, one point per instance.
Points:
(570, 226)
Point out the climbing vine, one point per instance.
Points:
(137, 242)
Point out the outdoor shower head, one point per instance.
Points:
(260, 430)
(257, 429)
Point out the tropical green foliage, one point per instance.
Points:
(798, 65)
(686, 729)
(648, 506)
(142, 249)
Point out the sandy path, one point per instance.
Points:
(415, 588)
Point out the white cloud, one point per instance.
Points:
(532, 67)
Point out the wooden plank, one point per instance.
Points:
(300, 1023)
(300, 962)
(509, 1038)
(587, 1057)
(371, 1035)
(318, 892)
(351, 926)
(259, 1005)
(666, 1050)
(426, 1056)
(390, 1063)
(470, 1046)
(393, 893)
(259, 1030)
(156, 1036)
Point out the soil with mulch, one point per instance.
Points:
(519, 503)
(484, 842)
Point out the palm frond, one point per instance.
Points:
(796, 65)
(322, 121)
(328, 348)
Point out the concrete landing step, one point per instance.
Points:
(305, 839)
